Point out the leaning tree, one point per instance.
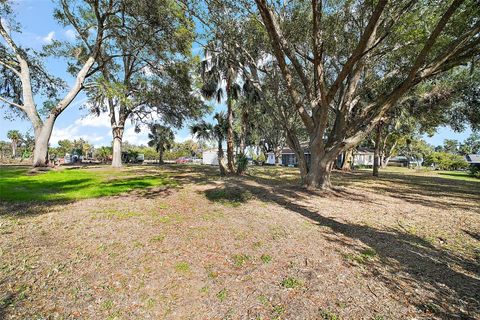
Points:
(355, 60)
(25, 79)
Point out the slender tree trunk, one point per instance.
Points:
(230, 157)
(243, 136)
(221, 159)
(385, 162)
(14, 149)
(42, 137)
(160, 157)
(117, 133)
(278, 156)
(376, 154)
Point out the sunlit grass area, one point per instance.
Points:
(17, 184)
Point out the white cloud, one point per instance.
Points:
(130, 136)
(70, 34)
(49, 37)
(73, 132)
(86, 128)
(100, 121)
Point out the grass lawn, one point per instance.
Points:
(178, 242)
(16, 184)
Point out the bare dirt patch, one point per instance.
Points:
(256, 247)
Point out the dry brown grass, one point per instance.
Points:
(256, 247)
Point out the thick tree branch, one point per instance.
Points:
(358, 53)
(267, 17)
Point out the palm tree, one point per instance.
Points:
(218, 70)
(161, 138)
(207, 132)
(15, 137)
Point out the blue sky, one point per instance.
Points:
(39, 28)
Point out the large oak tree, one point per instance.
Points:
(25, 80)
(355, 60)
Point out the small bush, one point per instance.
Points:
(446, 161)
(474, 172)
(242, 163)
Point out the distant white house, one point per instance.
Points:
(363, 157)
(210, 157)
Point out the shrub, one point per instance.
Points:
(474, 171)
(242, 163)
(446, 161)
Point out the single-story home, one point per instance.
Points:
(362, 156)
(210, 157)
(399, 161)
(473, 159)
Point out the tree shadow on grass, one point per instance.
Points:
(405, 261)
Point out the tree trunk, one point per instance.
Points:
(117, 133)
(243, 136)
(278, 156)
(160, 157)
(294, 144)
(376, 154)
(230, 157)
(42, 137)
(318, 176)
(14, 149)
(221, 159)
(321, 164)
(385, 162)
(347, 163)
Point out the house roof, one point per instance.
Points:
(473, 158)
(361, 150)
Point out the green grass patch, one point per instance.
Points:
(183, 267)
(72, 184)
(222, 294)
(240, 259)
(291, 283)
(328, 315)
(158, 238)
(266, 258)
(107, 305)
(363, 257)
